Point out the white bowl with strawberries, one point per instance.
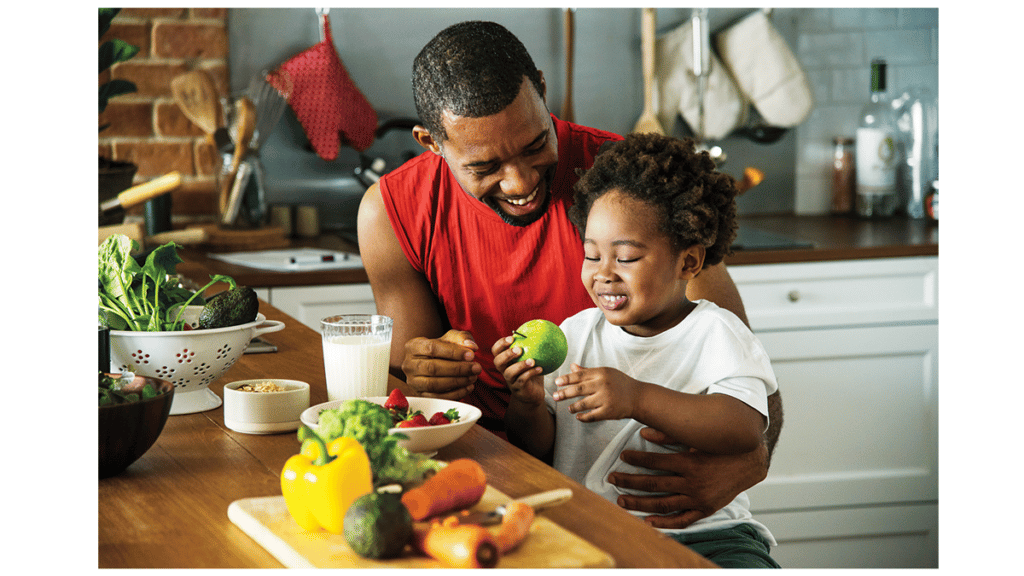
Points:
(429, 423)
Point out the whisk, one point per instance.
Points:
(269, 104)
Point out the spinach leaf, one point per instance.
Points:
(148, 297)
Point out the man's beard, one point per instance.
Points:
(522, 221)
(519, 221)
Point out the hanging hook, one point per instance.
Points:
(321, 14)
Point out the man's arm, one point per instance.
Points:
(424, 359)
(697, 483)
(715, 284)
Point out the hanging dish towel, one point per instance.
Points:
(725, 108)
(327, 103)
(766, 70)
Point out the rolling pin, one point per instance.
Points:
(112, 211)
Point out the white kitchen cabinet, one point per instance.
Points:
(308, 304)
(854, 345)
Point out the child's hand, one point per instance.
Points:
(523, 378)
(608, 394)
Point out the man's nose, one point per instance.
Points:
(519, 179)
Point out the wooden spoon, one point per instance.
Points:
(568, 113)
(648, 121)
(196, 95)
(243, 130)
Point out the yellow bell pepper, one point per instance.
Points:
(321, 482)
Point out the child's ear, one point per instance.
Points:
(691, 260)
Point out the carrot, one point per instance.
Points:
(515, 525)
(460, 484)
(457, 545)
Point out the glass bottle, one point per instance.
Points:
(843, 179)
(876, 151)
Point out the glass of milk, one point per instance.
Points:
(356, 352)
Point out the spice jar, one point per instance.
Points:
(843, 175)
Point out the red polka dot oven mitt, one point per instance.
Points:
(329, 106)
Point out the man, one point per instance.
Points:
(470, 239)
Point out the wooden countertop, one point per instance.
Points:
(840, 238)
(169, 508)
(832, 237)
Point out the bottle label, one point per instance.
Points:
(876, 162)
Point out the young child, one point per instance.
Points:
(652, 213)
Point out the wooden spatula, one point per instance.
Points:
(196, 95)
(648, 121)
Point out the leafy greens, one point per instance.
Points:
(369, 424)
(144, 298)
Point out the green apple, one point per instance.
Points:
(543, 341)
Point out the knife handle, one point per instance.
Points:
(149, 190)
(546, 499)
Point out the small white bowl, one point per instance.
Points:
(424, 439)
(265, 412)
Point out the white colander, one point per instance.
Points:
(189, 359)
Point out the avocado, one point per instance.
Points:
(231, 308)
(378, 525)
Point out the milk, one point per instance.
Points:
(356, 366)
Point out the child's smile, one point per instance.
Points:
(631, 270)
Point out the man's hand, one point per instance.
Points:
(700, 483)
(442, 367)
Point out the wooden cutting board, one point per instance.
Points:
(267, 521)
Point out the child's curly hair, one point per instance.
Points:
(695, 203)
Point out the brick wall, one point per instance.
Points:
(147, 127)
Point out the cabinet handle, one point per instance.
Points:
(793, 295)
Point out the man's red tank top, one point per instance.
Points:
(489, 276)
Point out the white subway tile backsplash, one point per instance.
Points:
(835, 47)
(850, 85)
(918, 18)
(830, 49)
(900, 47)
(907, 77)
(880, 18)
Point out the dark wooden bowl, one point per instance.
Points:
(127, 431)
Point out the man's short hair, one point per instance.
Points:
(471, 69)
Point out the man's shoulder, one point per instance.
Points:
(587, 134)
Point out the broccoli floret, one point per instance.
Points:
(368, 423)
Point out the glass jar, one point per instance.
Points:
(843, 175)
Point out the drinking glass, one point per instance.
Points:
(357, 348)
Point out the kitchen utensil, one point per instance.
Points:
(266, 520)
(569, 26)
(425, 439)
(196, 96)
(185, 237)
(701, 63)
(536, 501)
(245, 124)
(238, 183)
(112, 211)
(702, 70)
(189, 359)
(270, 105)
(648, 121)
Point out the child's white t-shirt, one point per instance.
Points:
(710, 351)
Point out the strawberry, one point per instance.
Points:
(416, 421)
(396, 401)
(447, 417)
(439, 418)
